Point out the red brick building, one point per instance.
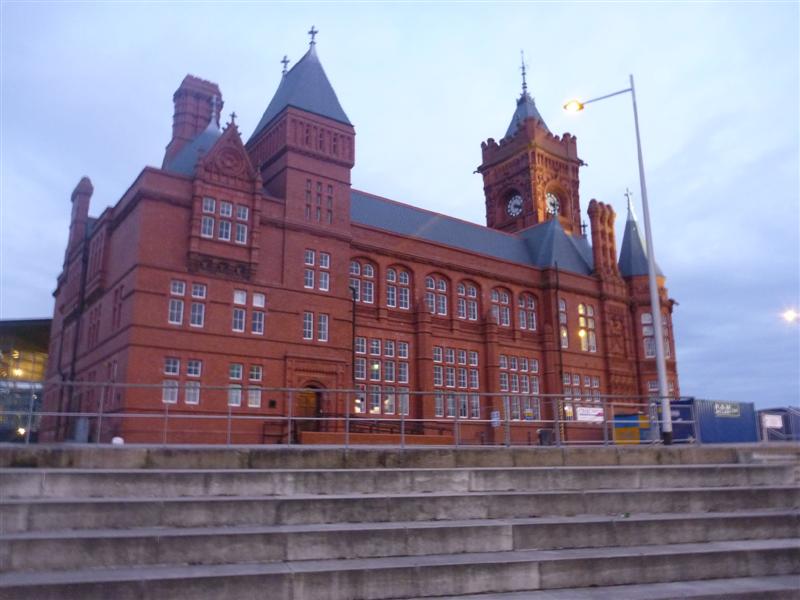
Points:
(250, 265)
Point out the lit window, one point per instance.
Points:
(172, 366)
(375, 370)
(209, 205)
(225, 209)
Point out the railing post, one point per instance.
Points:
(695, 425)
(347, 424)
(605, 424)
(30, 418)
(100, 417)
(228, 433)
(166, 420)
(554, 406)
(506, 401)
(403, 423)
(289, 417)
(456, 425)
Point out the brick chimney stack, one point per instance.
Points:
(604, 244)
(79, 220)
(193, 102)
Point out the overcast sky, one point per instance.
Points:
(87, 90)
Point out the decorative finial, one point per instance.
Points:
(522, 68)
(285, 62)
(312, 32)
(583, 228)
(233, 118)
(629, 195)
(212, 122)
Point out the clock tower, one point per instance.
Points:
(530, 175)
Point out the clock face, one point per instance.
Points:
(514, 206)
(552, 203)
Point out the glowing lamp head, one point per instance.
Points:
(573, 106)
(582, 333)
(21, 431)
(790, 315)
(16, 372)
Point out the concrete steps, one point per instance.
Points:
(202, 523)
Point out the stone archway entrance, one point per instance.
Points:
(308, 409)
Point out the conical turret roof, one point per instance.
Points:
(526, 109)
(633, 254)
(304, 86)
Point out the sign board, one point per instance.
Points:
(726, 409)
(589, 414)
(772, 421)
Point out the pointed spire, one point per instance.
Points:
(522, 68)
(526, 106)
(212, 121)
(632, 253)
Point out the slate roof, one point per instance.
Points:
(304, 86)
(526, 109)
(543, 245)
(633, 255)
(185, 161)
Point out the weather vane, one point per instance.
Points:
(522, 68)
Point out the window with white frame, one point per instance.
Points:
(225, 209)
(436, 295)
(527, 312)
(257, 322)
(239, 315)
(194, 367)
(259, 300)
(240, 297)
(172, 366)
(224, 231)
(256, 373)
(648, 335)
(361, 345)
(169, 391)
(362, 281)
(308, 325)
(191, 392)
(501, 307)
(383, 371)
(322, 327)
(562, 323)
(209, 205)
(207, 227)
(242, 212)
(234, 394)
(197, 314)
(459, 379)
(254, 397)
(175, 312)
(177, 287)
(467, 301)
(241, 233)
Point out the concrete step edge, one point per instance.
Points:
(18, 579)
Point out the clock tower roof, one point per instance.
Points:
(526, 109)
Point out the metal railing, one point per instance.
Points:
(188, 413)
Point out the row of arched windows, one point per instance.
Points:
(504, 306)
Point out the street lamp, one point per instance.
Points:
(791, 315)
(655, 304)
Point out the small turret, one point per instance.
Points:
(79, 220)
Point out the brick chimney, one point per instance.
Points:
(192, 112)
(79, 220)
(604, 244)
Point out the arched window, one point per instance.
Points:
(436, 295)
(501, 307)
(467, 301)
(563, 332)
(362, 281)
(527, 312)
(398, 293)
(586, 328)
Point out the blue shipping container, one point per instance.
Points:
(719, 422)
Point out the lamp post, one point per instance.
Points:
(655, 303)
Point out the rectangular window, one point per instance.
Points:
(235, 371)
(242, 212)
(194, 367)
(462, 357)
(241, 233)
(462, 406)
(308, 326)
(197, 315)
(177, 288)
(225, 209)
(175, 311)
(238, 319)
(462, 308)
(209, 205)
(169, 392)
(450, 356)
(360, 368)
(473, 358)
(388, 400)
(475, 406)
(324, 281)
(404, 298)
(391, 296)
(257, 325)
(388, 348)
(503, 361)
(437, 375)
(324, 260)
(503, 382)
(375, 370)
(172, 366)
(451, 405)
(256, 372)
(462, 377)
(309, 257)
(322, 328)
(199, 290)
(388, 370)
(534, 384)
(450, 377)
(523, 364)
(207, 227)
(234, 395)
(191, 393)
(512, 363)
(375, 399)
(240, 297)
(402, 349)
(375, 347)
(308, 279)
(224, 232)
(259, 300)
(595, 382)
(402, 372)
(254, 397)
(441, 304)
(361, 345)
(473, 379)
(534, 365)
(439, 405)
(437, 354)
(367, 295)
